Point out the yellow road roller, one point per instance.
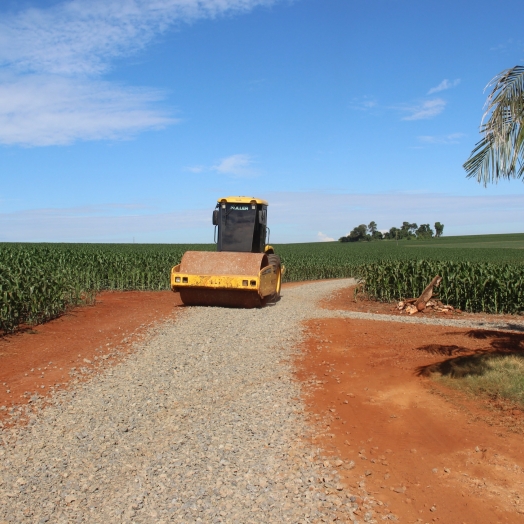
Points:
(244, 271)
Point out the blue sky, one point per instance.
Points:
(127, 119)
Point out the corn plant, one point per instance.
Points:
(41, 281)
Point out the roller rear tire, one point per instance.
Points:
(274, 260)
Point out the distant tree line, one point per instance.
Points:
(407, 231)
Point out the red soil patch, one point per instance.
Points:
(429, 453)
(345, 300)
(83, 337)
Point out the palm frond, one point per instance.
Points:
(500, 153)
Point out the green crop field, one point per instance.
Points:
(482, 273)
(40, 281)
(509, 241)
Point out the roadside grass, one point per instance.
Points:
(493, 376)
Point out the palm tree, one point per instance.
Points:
(500, 153)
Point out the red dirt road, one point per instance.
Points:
(429, 453)
(39, 360)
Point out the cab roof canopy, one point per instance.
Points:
(242, 200)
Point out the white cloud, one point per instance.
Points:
(37, 110)
(237, 166)
(53, 59)
(427, 109)
(445, 84)
(82, 36)
(453, 138)
(324, 238)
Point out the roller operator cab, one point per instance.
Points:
(241, 224)
(244, 271)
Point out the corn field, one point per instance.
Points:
(38, 282)
(470, 286)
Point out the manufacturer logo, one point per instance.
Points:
(239, 208)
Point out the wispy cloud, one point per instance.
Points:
(291, 219)
(290, 216)
(452, 138)
(322, 237)
(82, 36)
(38, 110)
(254, 85)
(445, 84)
(103, 223)
(509, 45)
(196, 169)
(240, 166)
(64, 50)
(425, 110)
(363, 103)
(499, 47)
(236, 166)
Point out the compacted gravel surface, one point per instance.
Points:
(202, 423)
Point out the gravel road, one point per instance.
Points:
(515, 325)
(202, 423)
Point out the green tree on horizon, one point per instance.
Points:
(424, 231)
(408, 230)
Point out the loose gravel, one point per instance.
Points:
(202, 423)
(495, 325)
